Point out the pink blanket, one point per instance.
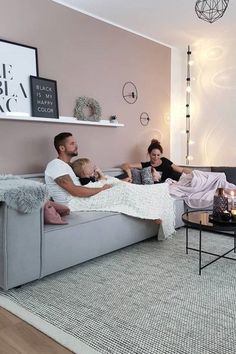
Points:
(198, 188)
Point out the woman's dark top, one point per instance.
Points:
(165, 168)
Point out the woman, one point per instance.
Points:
(162, 168)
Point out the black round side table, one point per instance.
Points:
(200, 220)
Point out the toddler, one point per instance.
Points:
(86, 171)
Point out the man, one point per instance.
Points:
(59, 176)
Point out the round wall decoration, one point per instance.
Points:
(144, 118)
(87, 108)
(130, 92)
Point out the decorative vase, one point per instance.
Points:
(220, 203)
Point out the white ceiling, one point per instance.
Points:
(172, 22)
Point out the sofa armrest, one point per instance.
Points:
(20, 246)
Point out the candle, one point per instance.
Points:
(233, 213)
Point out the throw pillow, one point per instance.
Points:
(136, 176)
(60, 208)
(146, 175)
(53, 212)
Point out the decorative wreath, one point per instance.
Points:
(92, 104)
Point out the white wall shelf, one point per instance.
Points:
(61, 120)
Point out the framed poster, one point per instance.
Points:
(44, 100)
(17, 63)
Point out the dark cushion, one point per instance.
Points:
(230, 173)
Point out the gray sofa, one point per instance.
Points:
(30, 250)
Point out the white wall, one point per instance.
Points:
(213, 102)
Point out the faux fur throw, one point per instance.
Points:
(22, 194)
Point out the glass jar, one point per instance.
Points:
(220, 202)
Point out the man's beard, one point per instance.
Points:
(72, 154)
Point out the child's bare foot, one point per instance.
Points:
(157, 221)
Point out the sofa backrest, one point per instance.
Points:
(230, 173)
(201, 168)
(39, 177)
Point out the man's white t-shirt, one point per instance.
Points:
(57, 168)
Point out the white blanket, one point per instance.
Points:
(141, 201)
(198, 188)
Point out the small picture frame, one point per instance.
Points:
(44, 100)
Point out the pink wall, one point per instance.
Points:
(91, 58)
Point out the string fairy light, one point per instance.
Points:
(188, 101)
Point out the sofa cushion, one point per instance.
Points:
(136, 176)
(142, 176)
(146, 175)
(53, 213)
(230, 172)
(80, 217)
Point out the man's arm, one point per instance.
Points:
(66, 183)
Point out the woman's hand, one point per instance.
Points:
(156, 175)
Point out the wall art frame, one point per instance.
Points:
(17, 62)
(44, 99)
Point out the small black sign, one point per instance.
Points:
(44, 97)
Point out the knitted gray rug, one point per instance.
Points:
(145, 299)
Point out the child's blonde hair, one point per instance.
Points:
(78, 165)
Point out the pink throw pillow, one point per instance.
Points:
(60, 208)
(53, 212)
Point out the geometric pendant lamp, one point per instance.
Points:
(210, 10)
